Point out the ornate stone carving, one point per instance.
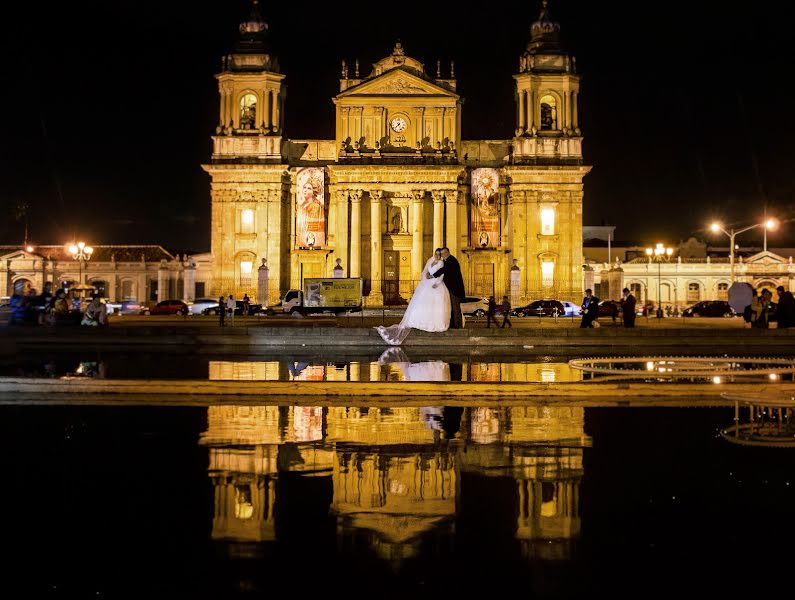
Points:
(399, 85)
(376, 195)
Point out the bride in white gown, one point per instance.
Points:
(429, 308)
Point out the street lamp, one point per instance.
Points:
(659, 254)
(769, 225)
(81, 252)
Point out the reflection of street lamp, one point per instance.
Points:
(81, 252)
(659, 253)
(769, 225)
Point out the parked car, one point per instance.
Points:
(253, 309)
(609, 308)
(125, 307)
(572, 308)
(540, 308)
(474, 306)
(709, 308)
(166, 307)
(198, 306)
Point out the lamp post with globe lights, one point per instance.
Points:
(82, 253)
(716, 227)
(658, 254)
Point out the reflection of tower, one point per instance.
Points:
(243, 445)
(542, 448)
(395, 483)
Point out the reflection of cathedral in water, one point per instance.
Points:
(394, 479)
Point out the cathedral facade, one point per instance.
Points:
(397, 181)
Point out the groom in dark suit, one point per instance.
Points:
(455, 285)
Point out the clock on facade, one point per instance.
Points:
(398, 124)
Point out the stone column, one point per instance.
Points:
(262, 283)
(531, 110)
(522, 110)
(503, 218)
(189, 281)
(162, 281)
(452, 236)
(574, 120)
(417, 259)
(587, 278)
(438, 218)
(376, 297)
(341, 248)
(356, 233)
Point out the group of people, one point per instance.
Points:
(762, 311)
(227, 307)
(505, 309)
(590, 309)
(436, 303)
(56, 308)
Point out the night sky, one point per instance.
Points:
(686, 108)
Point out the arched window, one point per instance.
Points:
(128, 290)
(549, 113)
(723, 291)
(248, 111)
(693, 292)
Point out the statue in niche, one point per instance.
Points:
(396, 222)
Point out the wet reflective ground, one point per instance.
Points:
(541, 502)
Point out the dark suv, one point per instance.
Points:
(709, 308)
(540, 308)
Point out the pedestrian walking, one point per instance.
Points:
(491, 311)
(221, 310)
(628, 304)
(506, 312)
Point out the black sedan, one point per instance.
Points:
(540, 308)
(709, 308)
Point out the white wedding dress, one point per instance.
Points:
(428, 310)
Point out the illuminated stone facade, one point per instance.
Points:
(398, 181)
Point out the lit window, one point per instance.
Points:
(547, 273)
(693, 292)
(723, 291)
(547, 221)
(247, 221)
(245, 268)
(248, 111)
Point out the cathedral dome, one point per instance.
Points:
(544, 25)
(255, 23)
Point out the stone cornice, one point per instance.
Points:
(437, 177)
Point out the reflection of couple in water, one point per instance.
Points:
(435, 305)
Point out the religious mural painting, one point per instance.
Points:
(485, 218)
(310, 208)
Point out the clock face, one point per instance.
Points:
(398, 124)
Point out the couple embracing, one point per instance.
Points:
(436, 303)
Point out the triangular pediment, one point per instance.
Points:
(20, 255)
(397, 82)
(766, 257)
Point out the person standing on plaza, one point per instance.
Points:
(221, 310)
(491, 310)
(230, 309)
(785, 313)
(760, 307)
(506, 312)
(590, 310)
(628, 303)
(246, 304)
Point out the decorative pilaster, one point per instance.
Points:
(262, 283)
(438, 218)
(417, 258)
(453, 234)
(376, 297)
(504, 218)
(341, 247)
(356, 233)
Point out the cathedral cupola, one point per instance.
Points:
(544, 32)
(252, 49)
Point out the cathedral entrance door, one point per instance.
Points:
(483, 280)
(391, 287)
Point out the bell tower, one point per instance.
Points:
(547, 88)
(252, 96)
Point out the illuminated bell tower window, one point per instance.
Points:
(248, 111)
(547, 221)
(547, 273)
(549, 113)
(247, 221)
